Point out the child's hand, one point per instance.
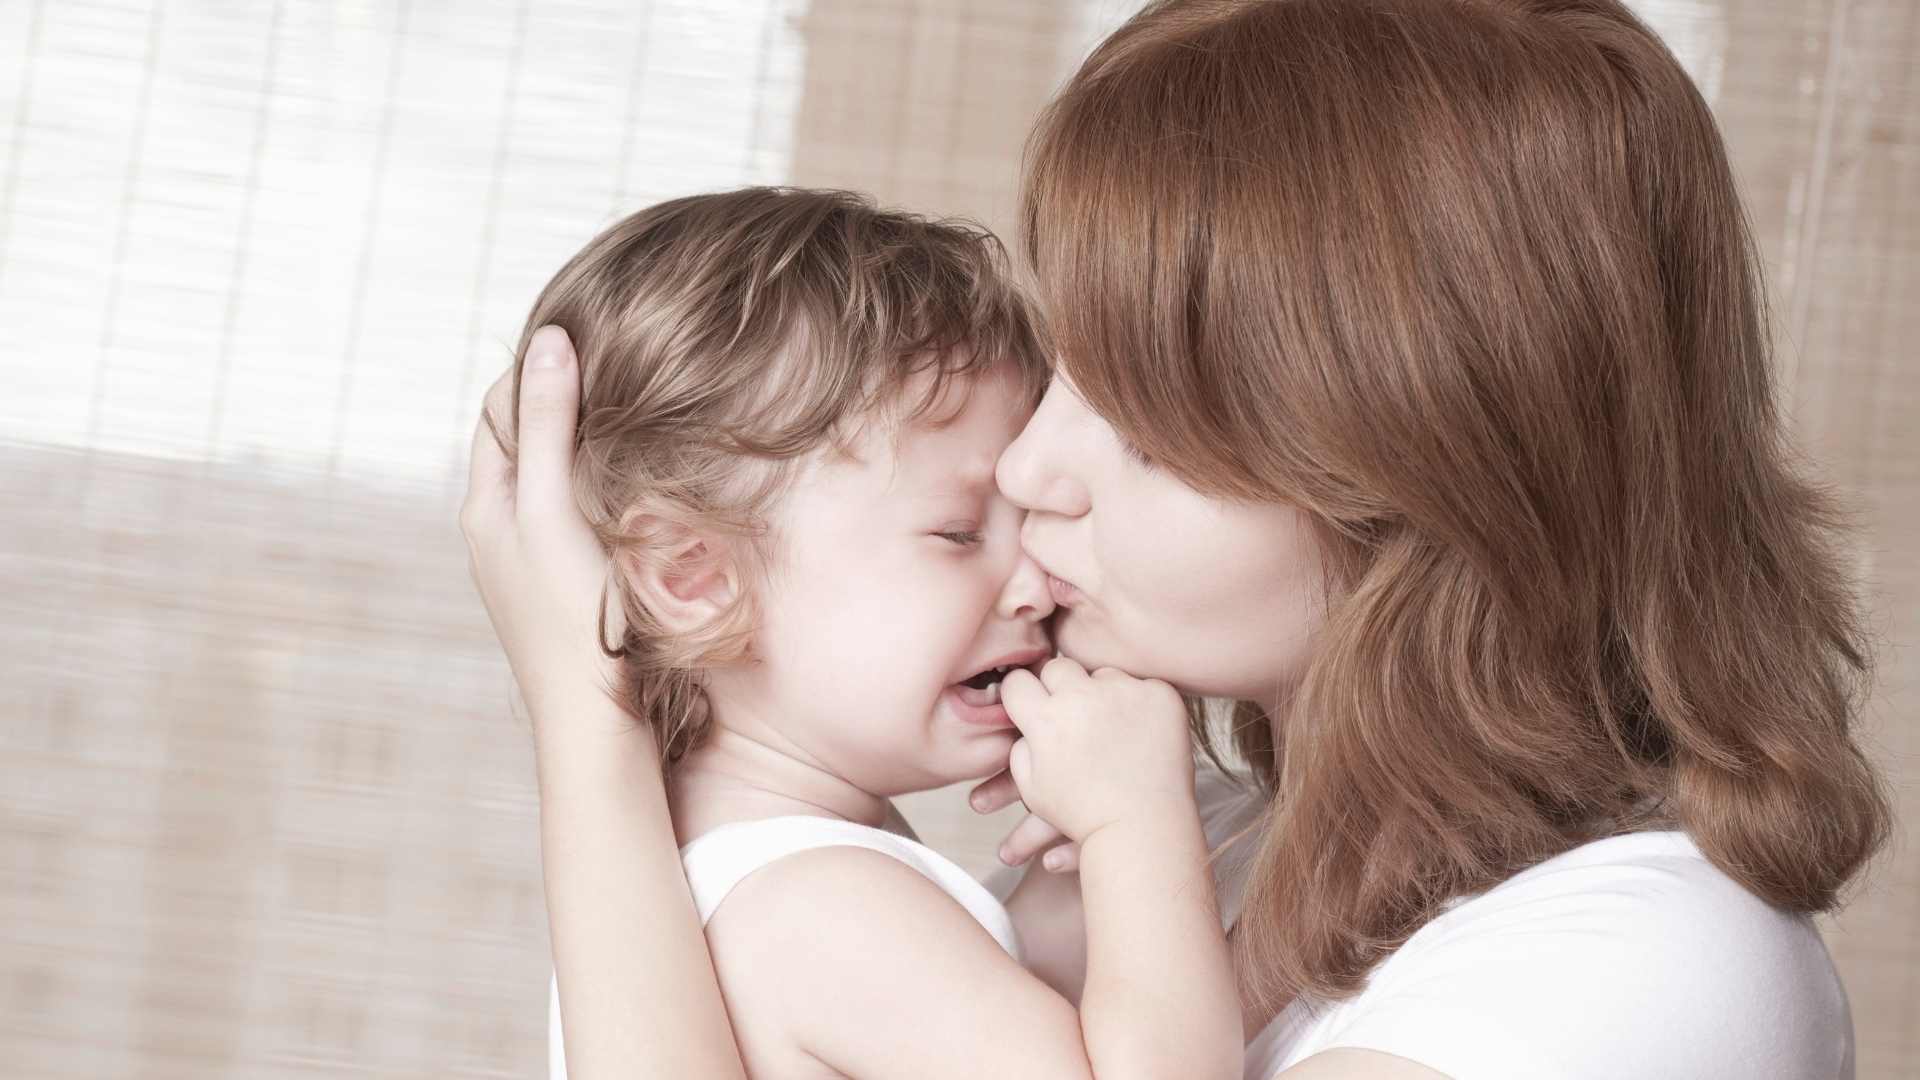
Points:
(1098, 749)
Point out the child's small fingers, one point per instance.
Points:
(1028, 839)
(1022, 694)
(1060, 673)
(994, 794)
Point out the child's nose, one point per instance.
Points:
(1026, 595)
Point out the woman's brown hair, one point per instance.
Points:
(1468, 282)
(723, 336)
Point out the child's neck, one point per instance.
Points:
(744, 773)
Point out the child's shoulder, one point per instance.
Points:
(852, 955)
(802, 945)
(807, 936)
(839, 894)
(782, 868)
(833, 884)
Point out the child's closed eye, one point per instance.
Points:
(962, 537)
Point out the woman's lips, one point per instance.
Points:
(1064, 593)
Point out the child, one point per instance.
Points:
(792, 404)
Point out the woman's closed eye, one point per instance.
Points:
(1135, 454)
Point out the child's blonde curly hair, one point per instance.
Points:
(720, 338)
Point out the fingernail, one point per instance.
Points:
(979, 803)
(1006, 855)
(1054, 860)
(545, 350)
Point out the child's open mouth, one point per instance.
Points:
(978, 695)
(984, 688)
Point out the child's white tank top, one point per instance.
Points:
(719, 859)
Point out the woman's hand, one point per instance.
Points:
(539, 568)
(634, 982)
(1032, 835)
(1097, 749)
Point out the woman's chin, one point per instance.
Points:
(1093, 646)
(1087, 644)
(1069, 631)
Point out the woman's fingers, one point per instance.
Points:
(536, 560)
(1027, 839)
(489, 477)
(1062, 859)
(994, 795)
(549, 408)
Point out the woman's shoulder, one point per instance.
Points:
(1653, 894)
(1629, 955)
(1650, 916)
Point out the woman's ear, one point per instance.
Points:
(683, 577)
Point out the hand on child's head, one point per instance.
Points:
(533, 557)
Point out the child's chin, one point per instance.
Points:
(975, 759)
(986, 755)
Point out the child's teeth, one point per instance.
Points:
(993, 694)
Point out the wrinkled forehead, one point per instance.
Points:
(946, 443)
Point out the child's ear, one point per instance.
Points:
(684, 578)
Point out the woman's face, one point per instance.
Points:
(1152, 577)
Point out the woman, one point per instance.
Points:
(1413, 393)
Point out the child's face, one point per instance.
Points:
(897, 577)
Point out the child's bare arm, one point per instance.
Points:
(1159, 989)
(1131, 895)
(1106, 758)
(1048, 915)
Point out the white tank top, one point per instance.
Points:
(719, 859)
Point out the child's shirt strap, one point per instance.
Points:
(718, 860)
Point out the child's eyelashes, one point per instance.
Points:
(962, 537)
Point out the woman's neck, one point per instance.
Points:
(743, 773)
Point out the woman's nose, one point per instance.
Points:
(1026, 595)
(1033, 471)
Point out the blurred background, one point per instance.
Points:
(267, 810)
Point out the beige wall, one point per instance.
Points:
(266, 809)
